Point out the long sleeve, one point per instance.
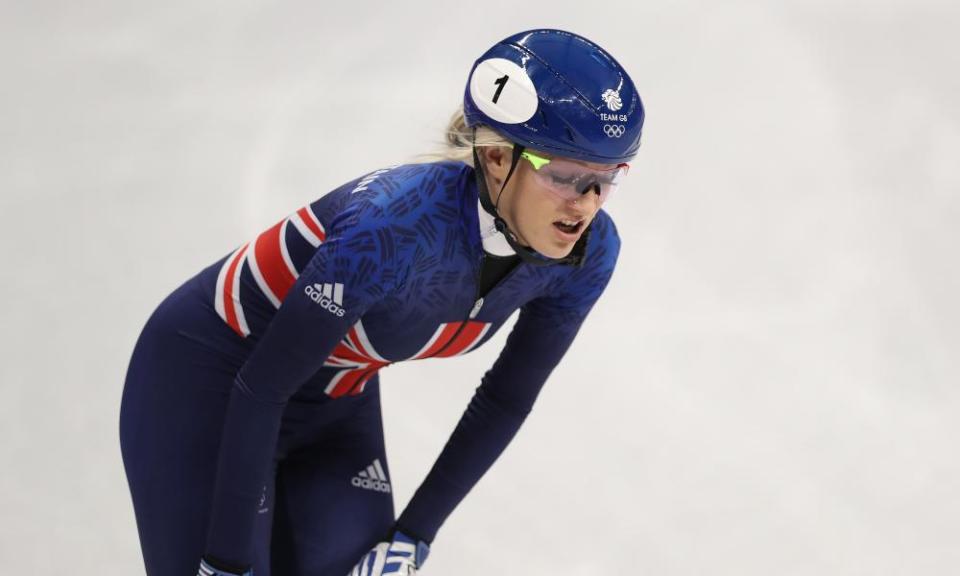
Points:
(544, 331)
(356, 267)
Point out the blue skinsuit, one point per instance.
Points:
(250, 422)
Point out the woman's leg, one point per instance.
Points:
(334, 498)
(171, 418)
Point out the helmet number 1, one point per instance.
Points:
(502, 91)
(500, 82)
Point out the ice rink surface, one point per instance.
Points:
(769, 385)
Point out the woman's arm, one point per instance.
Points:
(544, 331)
(357, 259)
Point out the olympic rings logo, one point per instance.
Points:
(614, 130)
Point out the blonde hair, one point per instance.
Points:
(458, 141)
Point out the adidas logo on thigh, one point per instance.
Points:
(373, 478)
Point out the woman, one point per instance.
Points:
(250, 426)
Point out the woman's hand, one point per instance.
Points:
(402, 556)
(207, 570)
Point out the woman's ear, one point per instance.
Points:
(496, 160)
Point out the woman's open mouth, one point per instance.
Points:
(569, 227)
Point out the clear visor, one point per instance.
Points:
(570, 179)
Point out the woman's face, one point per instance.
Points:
(534, 213)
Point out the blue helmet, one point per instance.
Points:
(557, 92)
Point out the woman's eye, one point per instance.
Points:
(562, 180)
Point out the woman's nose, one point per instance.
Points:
(587, 199)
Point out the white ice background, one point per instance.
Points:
(768, 386)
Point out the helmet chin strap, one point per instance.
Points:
(528, 255)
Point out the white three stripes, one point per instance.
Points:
(374, 471)
(332, 291)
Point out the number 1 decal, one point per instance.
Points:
(503, 91)
(501, 82)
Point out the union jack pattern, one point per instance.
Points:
(359, 360)
(270, 264)
(227, 298)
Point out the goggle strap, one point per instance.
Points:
(514, 162)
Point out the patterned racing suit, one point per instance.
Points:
(250, 421)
